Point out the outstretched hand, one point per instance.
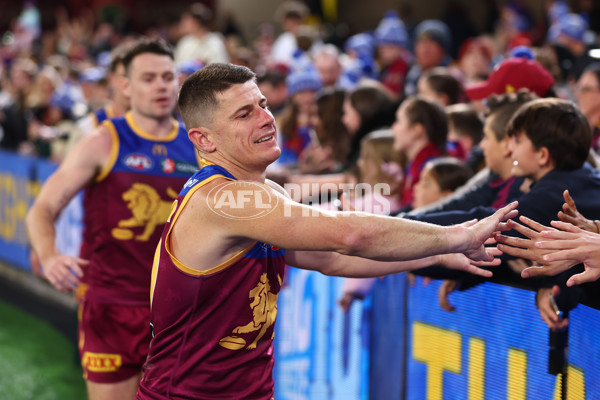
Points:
(461, 262)
(481, 232)
(570, 215)
(528, 249)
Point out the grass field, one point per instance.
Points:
(36, 361)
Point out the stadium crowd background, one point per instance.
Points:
(55, 72)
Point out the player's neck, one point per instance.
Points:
(157, 127)
(239, 171)
(118, 108)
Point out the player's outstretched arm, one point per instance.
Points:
(336, 264)
(248, 210)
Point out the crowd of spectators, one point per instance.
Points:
(434, 98)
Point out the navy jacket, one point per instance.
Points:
(541, 203)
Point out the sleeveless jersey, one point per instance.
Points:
(125, 209)
(102, 114)
(213, 330)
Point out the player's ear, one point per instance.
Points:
(202, 139)
(124, 84)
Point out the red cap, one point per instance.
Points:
(511, 75)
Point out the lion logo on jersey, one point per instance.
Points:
(147, 209)
(264, 311)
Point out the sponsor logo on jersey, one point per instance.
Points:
(138, 161)
(168, 166)
(190, 183)
(101, 362)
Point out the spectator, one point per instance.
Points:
(273, 86)
(392, 53)
(378, 164)
(366, 109)
(495, 186)
(329, 151)
(511, 75)
(15, 117)
(432, 49)
(474, 60)
(298, 119)
(587, 93)
(439, 178)
(327, 61)
(420, 132)
(198, 42)
(441, 86)
(465, 131)
(290, 15)
(569, 31)
(549, 142)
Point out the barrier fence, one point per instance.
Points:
(20, 181)
(397, 344)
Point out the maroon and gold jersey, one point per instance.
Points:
(213, 330)
(127, 206)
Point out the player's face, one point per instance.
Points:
(244, 127)
(152, 85)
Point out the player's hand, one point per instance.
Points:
(481, 232)
(461, 262)
(64, 271)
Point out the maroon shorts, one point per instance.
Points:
(113, 341)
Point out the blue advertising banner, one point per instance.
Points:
(494, 346)
(20, 181)
(320, 351)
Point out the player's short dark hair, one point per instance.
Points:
(198, 95)
(146, 45)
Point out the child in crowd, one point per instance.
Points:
(420, 132)
(440, 85)
(465, 131)
(439, 178)
(379, 164)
